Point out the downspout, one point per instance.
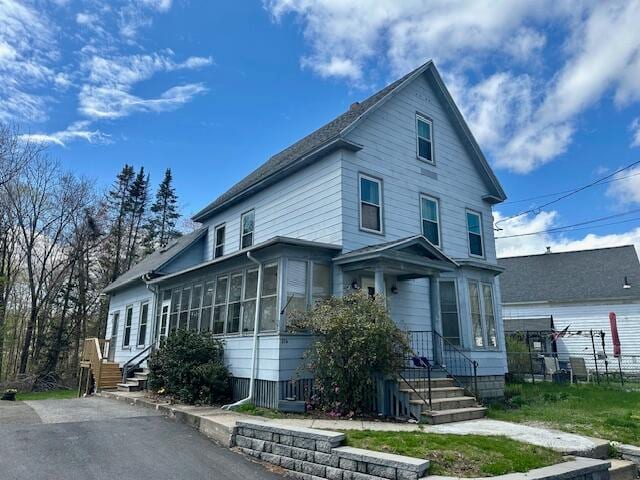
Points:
(254, 353)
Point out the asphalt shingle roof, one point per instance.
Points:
(155, 260)
(308, 144)
(583, 275)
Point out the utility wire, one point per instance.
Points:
(578, 226)
(566, 195)
(547, 195)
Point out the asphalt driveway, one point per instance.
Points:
(99, 438)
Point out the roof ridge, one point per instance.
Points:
(546, 254)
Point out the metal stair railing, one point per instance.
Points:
(462, 369)
(135, 362)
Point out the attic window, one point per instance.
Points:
(424, 140)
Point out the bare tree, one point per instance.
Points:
(16, 151)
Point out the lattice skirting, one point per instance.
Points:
(268, 393)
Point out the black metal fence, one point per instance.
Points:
(583, 356)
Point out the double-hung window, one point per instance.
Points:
(370, 204)
(220, 305)
(483, 319)
(424, 140)
(474, 232)
(247, 221)
(128, 319)
(207, 301)
(218, 250)
(430, 214)
(142, 324)
(269, 298)
(296, 287)
(175, 308)
(321, 282)
(249, 300)
(194, 312)
(183, 319)
(235, 302)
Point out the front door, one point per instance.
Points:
(164, 320)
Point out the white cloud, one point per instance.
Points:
(635, 132)
(626, 189)
(535, 244)
(160, 5)
(109, 91)
(76, 131)
(599, 52)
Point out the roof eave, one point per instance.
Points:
(330, 146)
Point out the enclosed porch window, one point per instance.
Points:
(483, 320)
(307, 283)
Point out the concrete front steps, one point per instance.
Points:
(136, 383)
(623, 470)
(449, 403)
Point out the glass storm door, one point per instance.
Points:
(164, 320)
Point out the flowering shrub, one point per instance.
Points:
(190, 366)
(356, 341)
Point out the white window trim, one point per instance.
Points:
(124, 327)
(224, 237)
(424, 119)
(144, 340)
(222, 305)
(482, 244)
(360, 202)
(422, 218)
(483, 318)
(253, 232)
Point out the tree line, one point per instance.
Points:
(62, 241)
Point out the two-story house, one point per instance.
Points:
(393, 196)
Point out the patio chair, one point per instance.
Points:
(579, 369)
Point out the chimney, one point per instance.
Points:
(354, 105)
(548, 250)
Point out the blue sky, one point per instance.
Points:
(212, 89)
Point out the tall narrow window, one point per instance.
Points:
(175, 308)
(321, 282)
(128, 319)
(114, 326)
(269, 299)
(219, 241)
(220, 305)
(370, 204)
(235, 297)
(489, 315)
(449, 312)
(184, 308)
(430, 213)
(296, 287)
(476, 315)
(424, 128)
(142, 328)
(246, 229)
(194, 312)
(474, 230)
(207, 301)
(249, 301)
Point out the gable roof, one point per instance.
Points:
(330, 137)
(155, 260)
(584, 275)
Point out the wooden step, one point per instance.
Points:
(447, 403)
(437, 417)
(441, 392)
(622, 470)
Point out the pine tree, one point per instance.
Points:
(118, 203)
(138, 200)
(161, 228)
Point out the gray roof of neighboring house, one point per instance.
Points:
(155, 260)
(334, 130)
(585, 275)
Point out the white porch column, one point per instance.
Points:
(436, 320)
(379, 281)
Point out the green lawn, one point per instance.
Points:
(458, 455)
(606, 411)
(50, 395)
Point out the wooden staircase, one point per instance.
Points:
(95, 366)
(449, 403)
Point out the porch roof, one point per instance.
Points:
(410, 257)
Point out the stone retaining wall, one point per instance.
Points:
(312, 454)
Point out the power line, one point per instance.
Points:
(578, 226)
(547, 195)
(566, 195)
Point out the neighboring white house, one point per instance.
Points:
(394, 195)
(577, 291)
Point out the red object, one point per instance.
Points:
(614, 334)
